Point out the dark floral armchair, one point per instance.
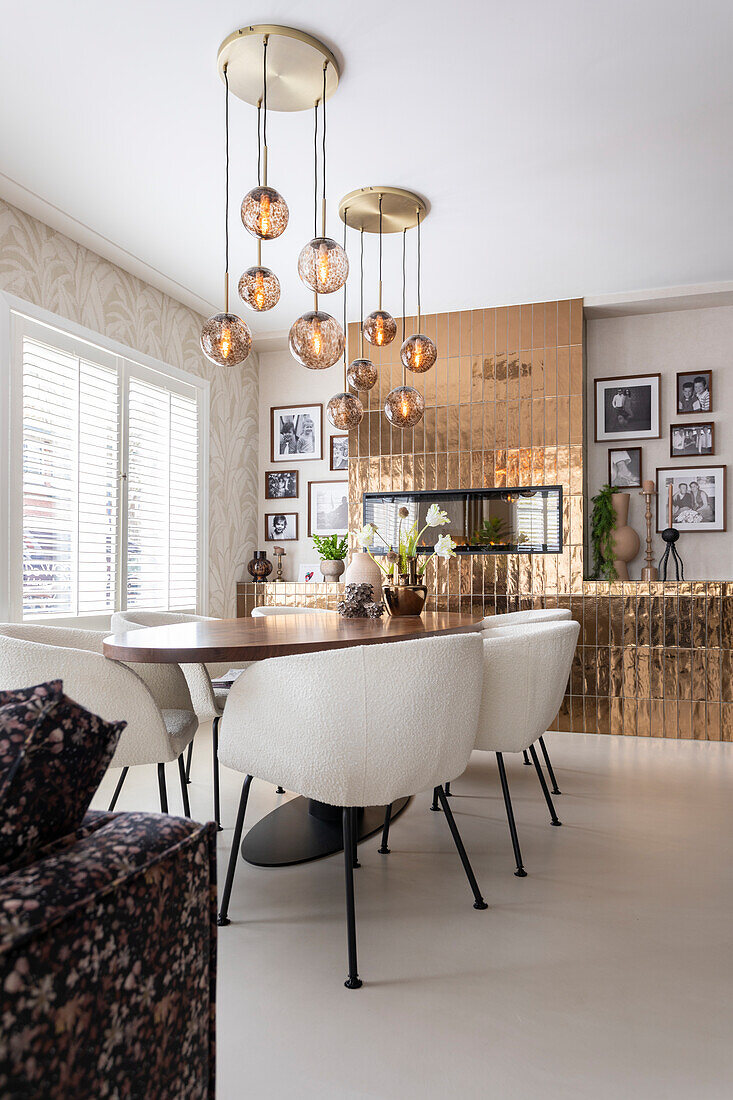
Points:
(108, 963)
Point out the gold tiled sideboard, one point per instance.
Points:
(504, 407)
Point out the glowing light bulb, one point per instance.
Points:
(259, 291)
(404, 407)
(265, 215)
(316, 340)
(380, 328)
(259, 288)
(225, 342)
(418, 353)
(226, 339)
(323, 265)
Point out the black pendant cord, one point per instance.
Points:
(264, 92)
(404, 303)
(380, 251)
(323, 155)
(419, 251)
(259, 143)
(315, 170)
(346, 386)
(361, 293)
(226, 190)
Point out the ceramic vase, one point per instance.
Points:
(626, 541)
(363, 570)
(332, 568)
(259, 567)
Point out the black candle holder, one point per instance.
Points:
(670, 536)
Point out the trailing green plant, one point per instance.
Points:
(330, 547)
(602, 526)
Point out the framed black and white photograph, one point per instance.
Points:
(339, 452)
(694, 391)
(628, 407)
(281, 484)
(691, 439)
(296, 432)
(624, 467)
(328, 507)
(281, 526)
(694, 495)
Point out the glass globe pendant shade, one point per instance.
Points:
(316, 340)
(418, 353)
(323, 265)
(264, 213)
(380, 328)
(404, 407)
(226, 339)
(362, 374)
(259, 288)
(344, 411)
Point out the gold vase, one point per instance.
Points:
(404, 599)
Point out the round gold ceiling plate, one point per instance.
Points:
(360, 209)
(294, 67)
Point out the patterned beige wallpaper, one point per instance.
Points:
(46, 268)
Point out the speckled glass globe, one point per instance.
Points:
(316, 340)
(323, 265)
(380, 328)
(259, 288)
(226, 339)
(362, 374)
(404, 407)
(264, 213)
(418, 353)
(345, 411)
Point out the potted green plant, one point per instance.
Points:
(602, 527)
(332, 551)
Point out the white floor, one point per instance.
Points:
(606, 973)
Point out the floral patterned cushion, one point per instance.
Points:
(53, 754)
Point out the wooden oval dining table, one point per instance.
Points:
(300, 829)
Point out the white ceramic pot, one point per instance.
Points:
(362, 570)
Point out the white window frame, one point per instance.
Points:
(13, 313)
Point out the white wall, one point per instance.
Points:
(666, 343)
(285, 382)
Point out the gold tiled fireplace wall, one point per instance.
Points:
(504, 407)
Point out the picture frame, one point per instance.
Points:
(308, 574)
(339, 453)
(625, 467)
(328, 507)
(694, 392)
(628, 407)
(691, 440)
(698, 497)
(281, 527)
(296, 433)
(281, 484)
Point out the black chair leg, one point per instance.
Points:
(118, 788)
(520, 871)
(188, 759)
(223, 917)
(353, 981)
(553, 816)
(162, 789)
(354, 836)
(384, 849)
(479, 903)
(279, 790)
(550, 771)
(215, 748)
(446, 788)
(435, 805)
(184, 788)
(526, 757)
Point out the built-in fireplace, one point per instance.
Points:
(524, 520)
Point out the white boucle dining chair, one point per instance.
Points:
(153, 699)
(207, 702)
(525, 618)
(525, 674)
(374, 723)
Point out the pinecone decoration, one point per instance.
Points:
(358, 603)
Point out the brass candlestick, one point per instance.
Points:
(279, 553)
(649, 572)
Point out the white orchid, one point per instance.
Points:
(445, 547)
(365, 537)
(436, 517)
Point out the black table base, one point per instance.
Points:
(302, 830)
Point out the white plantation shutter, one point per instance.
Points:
(70, 448)
(162, 488)
(109, 492)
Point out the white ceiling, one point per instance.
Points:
(567, 148)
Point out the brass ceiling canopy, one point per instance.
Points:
(295, 63)
(400, 209)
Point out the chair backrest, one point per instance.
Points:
(197, 676)
(524, 618)
(359, 726)
(32, 654)
(278, 609)
(525, 673)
